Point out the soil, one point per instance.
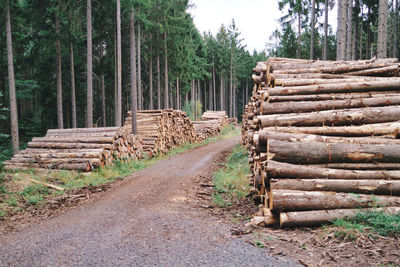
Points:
(153, 217)
(165, 216)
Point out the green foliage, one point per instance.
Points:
(188, 108)
(230, 181)
(377, 222)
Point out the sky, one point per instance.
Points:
(255, 19)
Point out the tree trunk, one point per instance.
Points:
(11, 84)
(89, 78)
(281, 170)
(376, 187)
(139, 72)
(231, 86)
(214, 87)
(59, 72)
(312, 30)
(178, 97)
(115, 80)
(302, 200)
(320, 153)
(361, 30)
(103, 101)
(299, 33)
(325, 49)
(151, 105)
(246, 94)
(210, 95)
(165, 72)
(320, 217)
(73, 98)
(221, 91)
(158, 81)
(119, 65)
(133, 72)
(382, 28)
(341, 30)
(396, 29)
(349, 29)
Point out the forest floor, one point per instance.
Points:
(177, 213)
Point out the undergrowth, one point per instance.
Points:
(230, 181)
(17, 193)
(373, 222)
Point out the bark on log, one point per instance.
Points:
(310, 81)
(359, 166)
(319, 217)
(85, 140)
(260, 139)
(50, 145)
(77, 167)
(332, 96)
(308, 106)
(345, 87)
(376, 187)
(317, 152)
(291, 200)
(376, 129)
(281, 170)
(334, 117)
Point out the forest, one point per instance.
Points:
(75, 64)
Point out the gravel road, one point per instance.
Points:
(145, 221)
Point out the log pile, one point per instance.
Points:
(322, 138)
(215, 115)
(162, 130)
(80, 149)
(205, 129)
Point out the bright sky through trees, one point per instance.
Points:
(210, 14)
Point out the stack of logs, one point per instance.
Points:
(211, 124)
(80, 149)
(162, 130)
(322, 139)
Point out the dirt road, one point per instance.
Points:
(145, 220)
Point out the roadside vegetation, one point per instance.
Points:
(18, 193)
(367, 223)
(231, 183)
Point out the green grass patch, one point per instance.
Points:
(16, 190)
(230, 181)
(374, 222)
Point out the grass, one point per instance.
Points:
(371, 223)
(16, 193)
(230, 181)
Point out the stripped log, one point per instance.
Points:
(291, 200)
(275, 169)
(317, 152)
(375, 129)
(307, 106)
(377, 187)
(334, 117)
(319, 217)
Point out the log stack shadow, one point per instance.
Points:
(322, 139)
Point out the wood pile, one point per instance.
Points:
(322, 138)
(162, 130)
(233, 121)
(80, 149)
(215, 115)
(205, 129)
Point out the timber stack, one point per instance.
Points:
(79, 149)
(322, 138)
(215, 115)
(205, 129)
(162, 130)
